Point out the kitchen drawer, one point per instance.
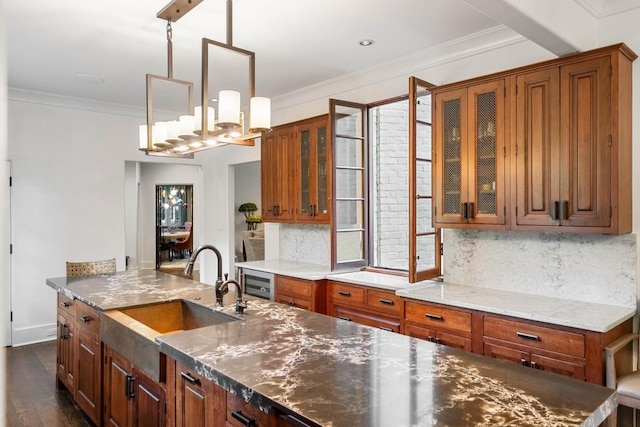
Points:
(241, 413)
(66, 304)
(87, 317)
(539, 337)
(302, 303)
(345, 294)
(438, 317)
(369, 319)
(433, 336)
(291, 286)
(384, 301)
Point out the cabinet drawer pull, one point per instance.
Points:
(85, 319)
(435, 317)
(62, 328)
(344, 293)
(438, 340)
(523, 362)
(528, 336)
(384, 328)
(294, 420)
(348, 319)
(533, 365)
(187, 376)
(65, 304)
(128, 387)
(244, 420)
(386, 301)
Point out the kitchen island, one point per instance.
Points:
(331, 372)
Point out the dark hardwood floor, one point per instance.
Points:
(32, 396)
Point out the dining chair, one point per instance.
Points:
(627, 384)
(87, 268)
(184, 245)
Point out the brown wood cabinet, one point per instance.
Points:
(240, 413)
(543, 348)
(306, 294)
(198, 401)
(66, 342)
(88, 391)
(277, 171)
(374, 307)
(567, 166)
(295, 171)
(131, 398)
(573, 143)
(469, 155)
(438, 324)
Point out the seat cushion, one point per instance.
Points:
(629, 385)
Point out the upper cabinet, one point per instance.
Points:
(295, 180)
(567, 165)
(469, 127)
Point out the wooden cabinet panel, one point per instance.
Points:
(118, 390)
(88, 353)
(557, 341)
(67, 305)
(367, 318)
(199, 402)
(276, 174)
(149, 405)
(384, 301)
(240, 413)
(65, 350)
(438, 337)
(438, 317)
(342, 293)
(469, 161)
(306, 294)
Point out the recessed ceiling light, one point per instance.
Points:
(366, 42)
(88, 78)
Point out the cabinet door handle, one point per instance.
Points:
(310, 210)
(62, 328)
(65, 304)
(291, 303)
(533, 365)
(438, 340)
(85, 319)
(564, 209)
(530, 337)
(386, 301)
(430, 339)
(244, 420)
(470, 210)
(523, 362)
(348, 319)
(344, 293)
(129, 387)
(384, 328)
(187, 376)
(554, 210)
(434, 317)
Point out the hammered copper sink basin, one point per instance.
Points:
(131, 332)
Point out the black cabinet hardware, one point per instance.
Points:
(386, 301)
(344, 293)
(384, 328)
(294, 420)
(435, 317)
(129, 389)
(244, 420)
(187, 376)
(348, 319)
(85, 319)
(528, 336)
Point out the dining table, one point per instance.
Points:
(175, 235)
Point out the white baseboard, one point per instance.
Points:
(34, 334)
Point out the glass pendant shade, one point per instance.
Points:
(228, 108)
(211, 119)
(260, 114)
(187, 125)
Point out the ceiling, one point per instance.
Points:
(64, 46)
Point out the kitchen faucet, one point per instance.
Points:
(221, 287)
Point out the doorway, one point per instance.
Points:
(174, 225)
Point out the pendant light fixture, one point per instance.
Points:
(199, 129)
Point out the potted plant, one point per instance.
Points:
(252, 219)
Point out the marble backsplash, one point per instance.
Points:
(305, 243)
(591, 268)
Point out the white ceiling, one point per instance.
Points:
(297, 42)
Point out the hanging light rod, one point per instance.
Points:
(177, 9)
(199, 129)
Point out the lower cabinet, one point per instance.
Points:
(198, 402)
(546, 349)
(240, 413)
(88, 361)
(131, 398)
(306, 294)
(438, 324)
(65, 350)
(374, 307)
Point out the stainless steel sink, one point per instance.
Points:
(131, 332)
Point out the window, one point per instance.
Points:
(382, 175)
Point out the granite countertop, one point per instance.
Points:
(557, 311)
(337, 373)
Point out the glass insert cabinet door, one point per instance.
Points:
(469, 142)
(313, 195)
